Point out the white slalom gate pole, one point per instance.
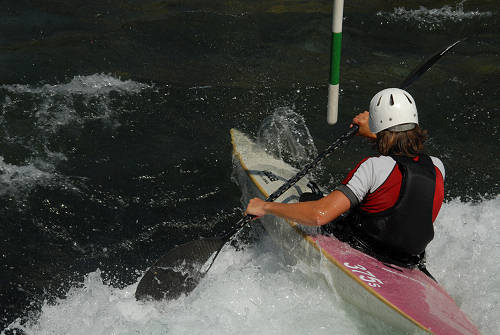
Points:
(333, 87)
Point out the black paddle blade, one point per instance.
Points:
(426, 66)
(179, 271)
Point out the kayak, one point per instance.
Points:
(406, 299)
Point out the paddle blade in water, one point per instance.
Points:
(179, 271)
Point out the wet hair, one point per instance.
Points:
(405, 143)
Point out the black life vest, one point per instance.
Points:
(403, 231)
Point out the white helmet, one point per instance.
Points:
(392, 108)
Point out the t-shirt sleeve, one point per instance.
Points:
(437, 163)
(349, 194)
(358, 182)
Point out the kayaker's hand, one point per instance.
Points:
(256, 207)
(364, 127)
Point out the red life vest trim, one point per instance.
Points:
(386, 195)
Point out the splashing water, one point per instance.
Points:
(246, 292)
(254, 291)
(31, 118)
(15, 179)
(56, 105)
(285, 135)
(432, 18)
(96, 84)
(464, 258)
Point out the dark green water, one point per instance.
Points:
(115, 117)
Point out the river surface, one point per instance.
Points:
(115, 147)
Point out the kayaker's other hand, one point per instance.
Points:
(364, 126)
(256, 207)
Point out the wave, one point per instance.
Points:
(92, 85)
(31, 117)
(15, 179)
(255, 290)
(432, 18)
(464, 258)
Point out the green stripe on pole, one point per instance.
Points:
(333, 87)
(335, 58)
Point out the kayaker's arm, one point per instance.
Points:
(310, 213)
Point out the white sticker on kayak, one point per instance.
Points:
(365, 275)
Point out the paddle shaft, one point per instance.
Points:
(419, 71)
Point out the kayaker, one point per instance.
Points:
(392, 199)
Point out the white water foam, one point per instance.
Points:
(92, 85)
(464, 258)
(15, 179)
(52, 107)
(254, 291)
(433, 18)
(55, 105)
